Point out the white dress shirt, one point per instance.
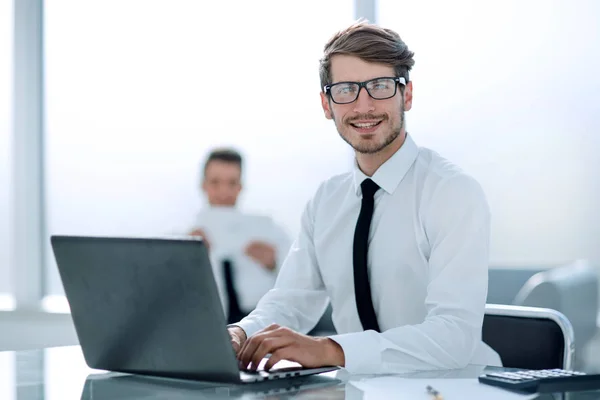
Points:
(428, 267)
(229, 231)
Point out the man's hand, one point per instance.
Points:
(263, 253)
(200, 232)
(285, 344)
(238, 338)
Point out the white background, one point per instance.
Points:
(510, 90)
(6, 36)
(141, 92)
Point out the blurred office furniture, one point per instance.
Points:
(325, 325)
(571, 289)
(505, 282)
(26, 330)
(529, 337)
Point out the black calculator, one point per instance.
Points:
(542, 381)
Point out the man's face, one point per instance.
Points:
(368, 125)
(222, 183)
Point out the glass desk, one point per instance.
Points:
(61, 374)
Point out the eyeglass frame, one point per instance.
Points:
(400, 80)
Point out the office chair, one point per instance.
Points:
(570, 289)
(325, 325)
(529, 337)
(504, 282)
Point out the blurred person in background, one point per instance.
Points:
(264, 247)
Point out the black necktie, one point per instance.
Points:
(234, 313)
(362, 289)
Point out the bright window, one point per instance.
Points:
(6, 59)
(510, 91)
(140, 93)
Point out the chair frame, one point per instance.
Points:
(545, 313)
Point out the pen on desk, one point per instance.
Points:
(436, 395)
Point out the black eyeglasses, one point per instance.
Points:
(378, 88)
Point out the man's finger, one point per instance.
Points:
(269, 346)
(249, 348)
(251, 246)
(269, 328)
(235, 343)
(284, 353)
(251, 252)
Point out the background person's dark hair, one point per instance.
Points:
(227, 155)
(370, 43)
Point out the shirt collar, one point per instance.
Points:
(391, 173)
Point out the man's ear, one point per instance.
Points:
(408, 96)
(326, 106)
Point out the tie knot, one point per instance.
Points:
(368, 188)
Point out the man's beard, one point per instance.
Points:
(370, 147)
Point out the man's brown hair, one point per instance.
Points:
(370, 43)
(227, 155)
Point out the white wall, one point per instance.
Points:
(510, 90)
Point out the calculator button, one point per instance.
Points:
(538, 374)
(524, 376)
(517, 377)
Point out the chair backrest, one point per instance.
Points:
(504, 282)
(529, 337)
(571, 289)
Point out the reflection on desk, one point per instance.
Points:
(99, 387)
(61, 373)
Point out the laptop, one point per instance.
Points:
(150, 306)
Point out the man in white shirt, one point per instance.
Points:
(246, 250)
(400, 245)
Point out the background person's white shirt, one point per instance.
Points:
(428, 266)
(229, 232)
